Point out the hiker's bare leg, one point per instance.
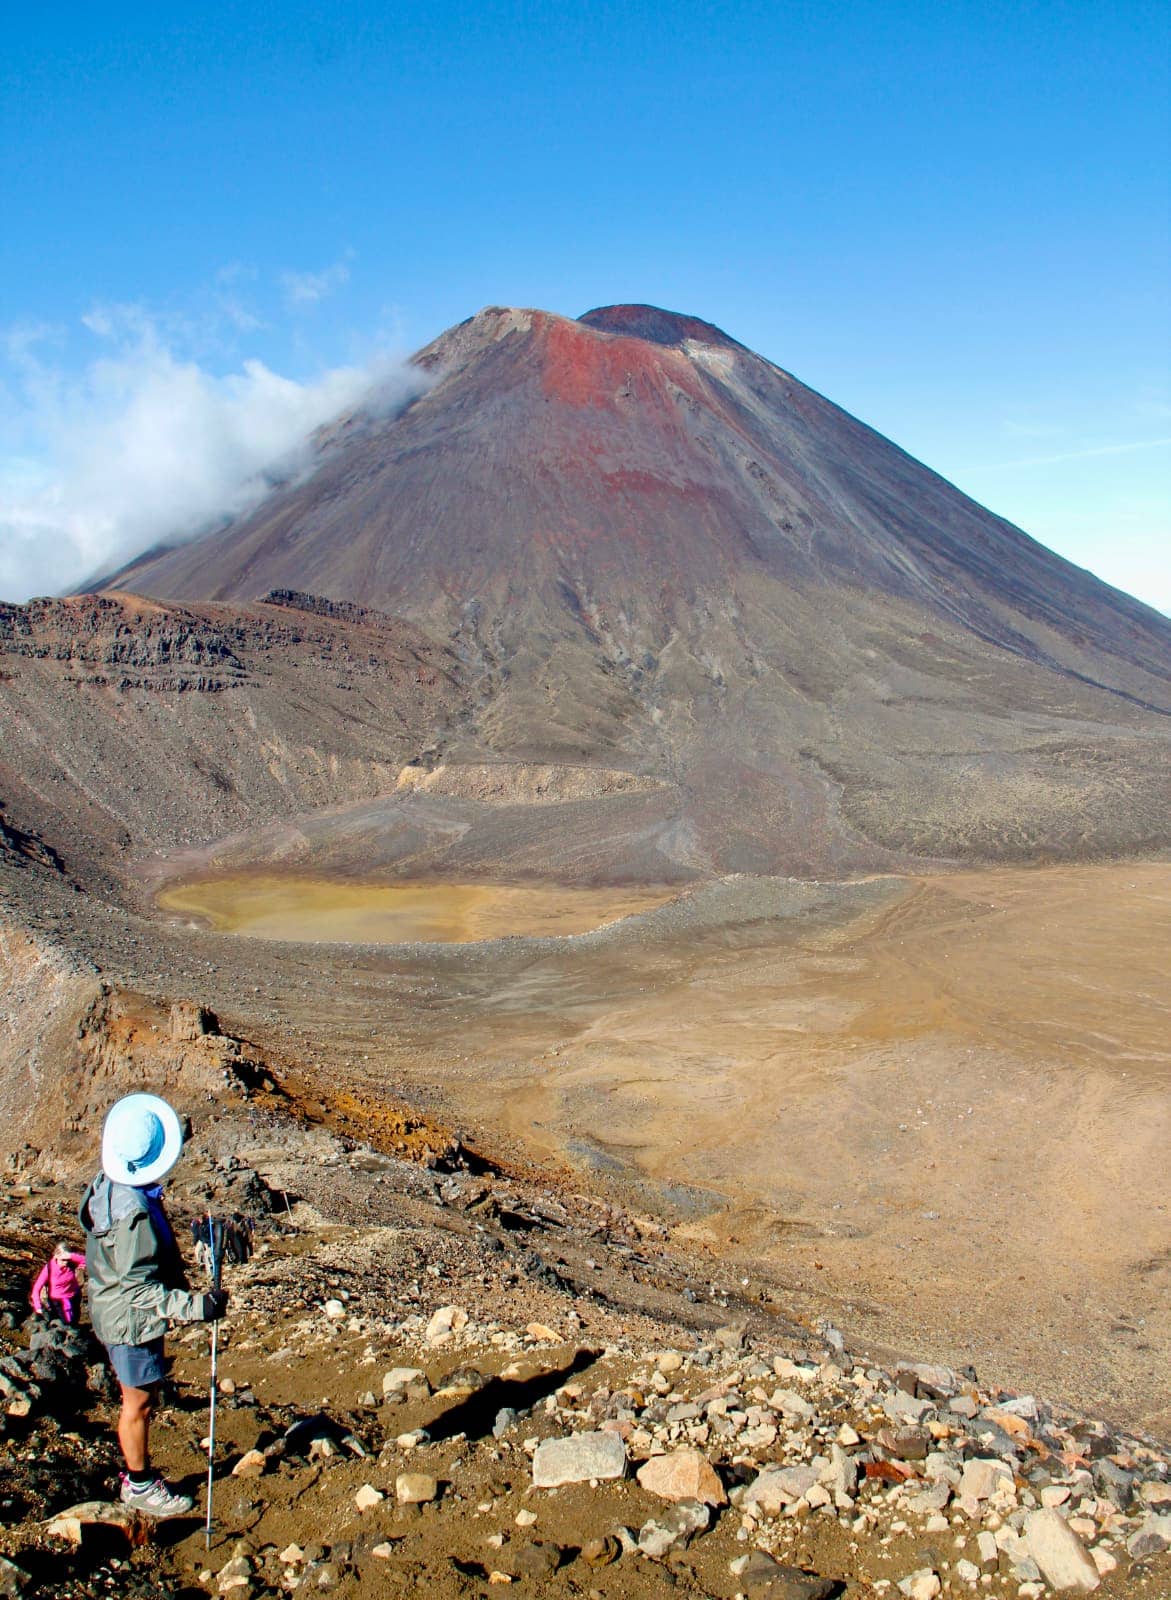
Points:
(134, 1427)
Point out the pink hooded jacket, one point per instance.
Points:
(59, 1277)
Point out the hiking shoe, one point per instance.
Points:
(157, 1500)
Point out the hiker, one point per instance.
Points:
(136, 1280)
(57, 1290)
(234, 1235)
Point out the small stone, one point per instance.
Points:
(70, 1524)
(525, 1518)
(793, 1405)
(841, 1475)
(601, 1552)
(921, 1378)
(444, 1322)
(538, 1560)
(14, 1580)
(334, 1310)
(673, 1529)
(251, 1464)
(399, 1379)
(577, 1459)
(415, 1488)
(542, 1333)
(291, 1556)
(236, 1574)
(921, 1585)
(1105, 1561)
(982, 1477)
(1152, 1538)
(383, 1551)
(989, 1552)
(776, 1487)
(1007, 1421)
(847, 1436)
(683, 1475)
(764, 1578)
(901, 1407)
(1059, 1553)
(669, 1361)
(368, 1497)
(967, 1571)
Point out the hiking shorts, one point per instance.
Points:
(138, 1366)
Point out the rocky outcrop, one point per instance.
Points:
(130, 725)
(103, 641)
(70, 1046)
(510, 783)
(45, 991)
(23, 849)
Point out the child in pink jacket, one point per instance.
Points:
(57, 1290)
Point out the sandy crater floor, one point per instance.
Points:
(944, 1113)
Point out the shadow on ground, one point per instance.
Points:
(475, 1416)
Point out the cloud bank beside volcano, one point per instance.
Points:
(146, 444)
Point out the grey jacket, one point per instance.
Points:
(136, 1279)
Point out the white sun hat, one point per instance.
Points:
(141, 1141)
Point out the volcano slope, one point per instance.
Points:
(654, 549)
(665, 619)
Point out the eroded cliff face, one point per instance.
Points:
(70, 1045)
(130, 726)
(45, 992)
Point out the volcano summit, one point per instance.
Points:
(655, 550)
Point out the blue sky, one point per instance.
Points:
(216, 220)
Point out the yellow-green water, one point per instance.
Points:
(266, 905)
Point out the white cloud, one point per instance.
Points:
(144, 445)
(308, 288)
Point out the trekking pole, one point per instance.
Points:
(216, 1269)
